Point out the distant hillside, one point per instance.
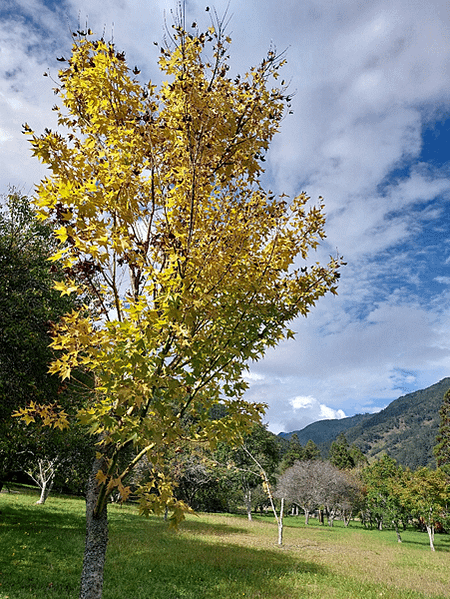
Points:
(326, 430)
(406, 430)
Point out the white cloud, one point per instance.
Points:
(311, 409)
(305, 410)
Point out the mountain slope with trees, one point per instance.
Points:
(326, 430)
(405, 430)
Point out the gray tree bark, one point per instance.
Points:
(96, 540)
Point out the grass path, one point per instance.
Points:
(212, 557)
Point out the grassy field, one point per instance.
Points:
(212, 557)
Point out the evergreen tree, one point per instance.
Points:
(357, 456)
(29, 307)
(340, 454)
(293, 454)
(311, 451)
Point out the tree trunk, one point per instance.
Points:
(248, 502)
(44, 476)
(330, 517)
(96, 540)
(306, 516)
(399, 538)
(280, 523)
(430, 531)
(46, 487)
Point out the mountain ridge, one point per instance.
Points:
(405, 430)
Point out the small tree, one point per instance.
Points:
(43, 473)
(270, 495)
(298, 484)
(158, 194)
(425, 493)
(383, 481)
(259, 447)
(311, 484)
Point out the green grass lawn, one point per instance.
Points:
(212, 557)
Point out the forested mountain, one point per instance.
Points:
(405, 430)
(326, 430)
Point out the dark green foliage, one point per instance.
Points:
(340, 455)
(218, 481)
(359, 459)
(28, 307)
(383, 502)
(442, 448)
(293, 454)
(311, 451)
(261, 445)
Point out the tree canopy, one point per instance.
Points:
(158, 193)
(194, 266)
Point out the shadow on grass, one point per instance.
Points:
(179, 567)
(40, 517)
(441, 542)
(42, 549)
(207, 528)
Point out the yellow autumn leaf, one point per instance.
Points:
(66, 288)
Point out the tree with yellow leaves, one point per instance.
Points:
(193, 265)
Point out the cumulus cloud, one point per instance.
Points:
(307, 409)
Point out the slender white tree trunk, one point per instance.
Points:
(45, 490)
(270, 496)
(248, 502)
(280, 523)
(430, 531)
(397, 532)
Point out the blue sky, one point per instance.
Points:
(370, 133)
